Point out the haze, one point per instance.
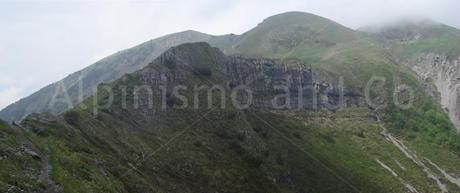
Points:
(42, 42)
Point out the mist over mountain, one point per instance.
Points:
(299, 103)
(431, 50)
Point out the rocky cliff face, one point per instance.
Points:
(273, 84)
(444, 73)
(431, 50)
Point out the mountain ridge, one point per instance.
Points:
(276, 47)
(119, 61)
(214, 149)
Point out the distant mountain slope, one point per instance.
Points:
(288, 35)
(432, 50)
(125, 148)
(420, 36)
(358, 148)
(106, 70)
(331, 49)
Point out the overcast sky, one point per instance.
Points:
(43, 41)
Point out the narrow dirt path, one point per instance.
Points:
(45, 169)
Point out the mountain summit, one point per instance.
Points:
(280, 34)
(297, 104)
(213, 145)
(287, 35)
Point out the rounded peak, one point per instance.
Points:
(290, 30)
(295, 14)
(296, 17)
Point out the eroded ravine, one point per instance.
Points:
(406, 184)
(444, 73)
(446, 175)
(419, 162)
(430, 174)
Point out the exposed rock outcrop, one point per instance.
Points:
(274, 84)
(444, 73)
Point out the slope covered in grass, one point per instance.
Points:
(212, 149)
(20, 168)
(226, 150)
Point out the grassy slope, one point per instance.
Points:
(320, 152)
(427, 123)
(286, 35)
(237, 151)
(19, 170)
(424, 126)
(334, 139)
